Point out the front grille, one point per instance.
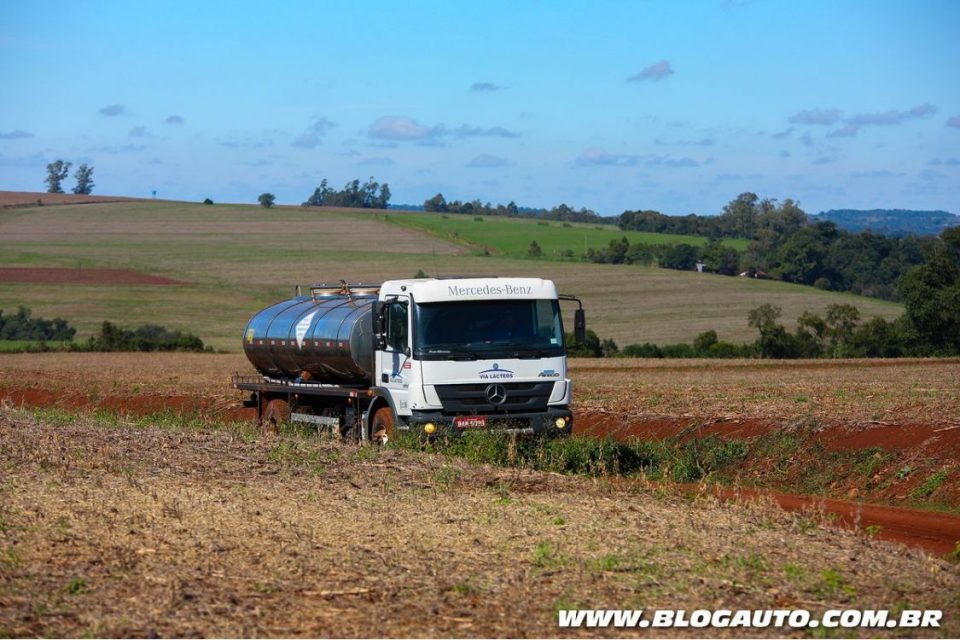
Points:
(521, 397)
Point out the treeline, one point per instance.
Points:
(148, 337)
(715, 256)
(37, 332)
(929, 326)
(785, 245)
(370, 195)
(22, 326)
(561, 213)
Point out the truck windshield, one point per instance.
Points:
(488, 329)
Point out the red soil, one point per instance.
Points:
(56, 275)
(938, 439)
(933, 531)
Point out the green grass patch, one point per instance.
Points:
(931, 484)
(511, 236)
(34, 346)
(580, 455)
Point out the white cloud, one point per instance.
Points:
(401, 128)
(655, 72)
(816, 117)
(487, 161)
(312, 136)
(113, 110)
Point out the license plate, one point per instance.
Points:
(470, 422)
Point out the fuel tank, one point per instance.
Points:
(325, 338)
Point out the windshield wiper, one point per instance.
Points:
(527, 351)
(456, 354)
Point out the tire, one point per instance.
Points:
(276, 413)
(381, 427)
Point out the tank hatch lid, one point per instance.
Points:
(344, 288)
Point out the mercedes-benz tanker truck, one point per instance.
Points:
(431, 356)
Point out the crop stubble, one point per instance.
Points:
(123, 531)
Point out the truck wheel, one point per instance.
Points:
(382, 426)
(276, 413)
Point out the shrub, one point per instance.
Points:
(266, 200)
(149, 337)
(21, 326)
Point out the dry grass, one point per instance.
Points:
(828, 391)
(116, 530)
(906, 391)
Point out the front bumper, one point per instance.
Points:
(542, 423)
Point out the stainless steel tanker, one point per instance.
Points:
(425, 355)
(326, 337)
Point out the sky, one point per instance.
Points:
(675, 106)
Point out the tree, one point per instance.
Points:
(931, 295)
(383, 201)
(534, 251)
(704, 341)
(266, 200)
(774, 341)
(84, 176)
(841, 321)
(764, 317)
(679, 256)
(436, 204)
(56, 173)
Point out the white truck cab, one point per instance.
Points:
(456, 354)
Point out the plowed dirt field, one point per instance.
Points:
(116, 526)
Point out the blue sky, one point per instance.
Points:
(673, 106)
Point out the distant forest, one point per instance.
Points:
(890, 222)
(785, 243)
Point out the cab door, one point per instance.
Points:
(393, 363)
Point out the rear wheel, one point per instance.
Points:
(276, 413)
(382, 426)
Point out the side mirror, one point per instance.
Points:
(579, 326)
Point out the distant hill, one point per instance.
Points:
(891, 222)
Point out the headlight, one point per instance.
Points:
(429, 428)
(560, 423)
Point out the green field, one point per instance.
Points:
(15, 346)
(512, 236)
(236, 259)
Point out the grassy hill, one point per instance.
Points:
(511, 236)
(237, 259)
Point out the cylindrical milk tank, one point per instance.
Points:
(327, 338)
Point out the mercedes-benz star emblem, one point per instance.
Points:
(496, 394)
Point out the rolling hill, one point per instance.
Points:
(236, 259)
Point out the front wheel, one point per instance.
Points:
(382, 425)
